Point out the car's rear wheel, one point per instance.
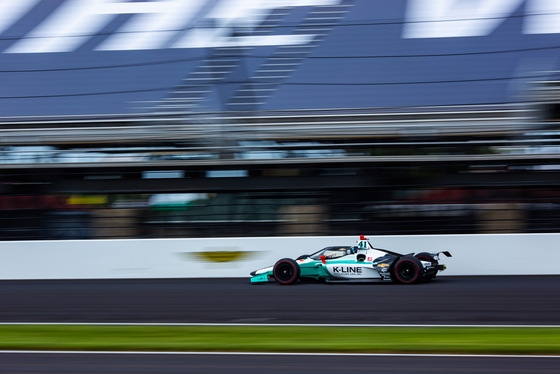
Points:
(408, 270)
(286, 271)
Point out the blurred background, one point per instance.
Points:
(227, 118)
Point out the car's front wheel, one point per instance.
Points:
(286, 271)
(408, 270)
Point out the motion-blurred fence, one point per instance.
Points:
(439, 211)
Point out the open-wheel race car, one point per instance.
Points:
(360, 263)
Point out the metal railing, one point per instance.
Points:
(213, 128)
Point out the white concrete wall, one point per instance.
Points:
(237, 257)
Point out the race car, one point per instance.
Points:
(360, 263)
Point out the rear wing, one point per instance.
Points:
(446, 253)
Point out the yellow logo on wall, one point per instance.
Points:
(221, 256)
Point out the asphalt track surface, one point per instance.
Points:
(258, 364)
(526, 300)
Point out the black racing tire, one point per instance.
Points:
(425, 256)
(286, 271)
(408, 270)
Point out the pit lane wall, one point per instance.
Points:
(518, 254)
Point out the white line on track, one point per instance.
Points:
(190, 353)
(265, 324)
